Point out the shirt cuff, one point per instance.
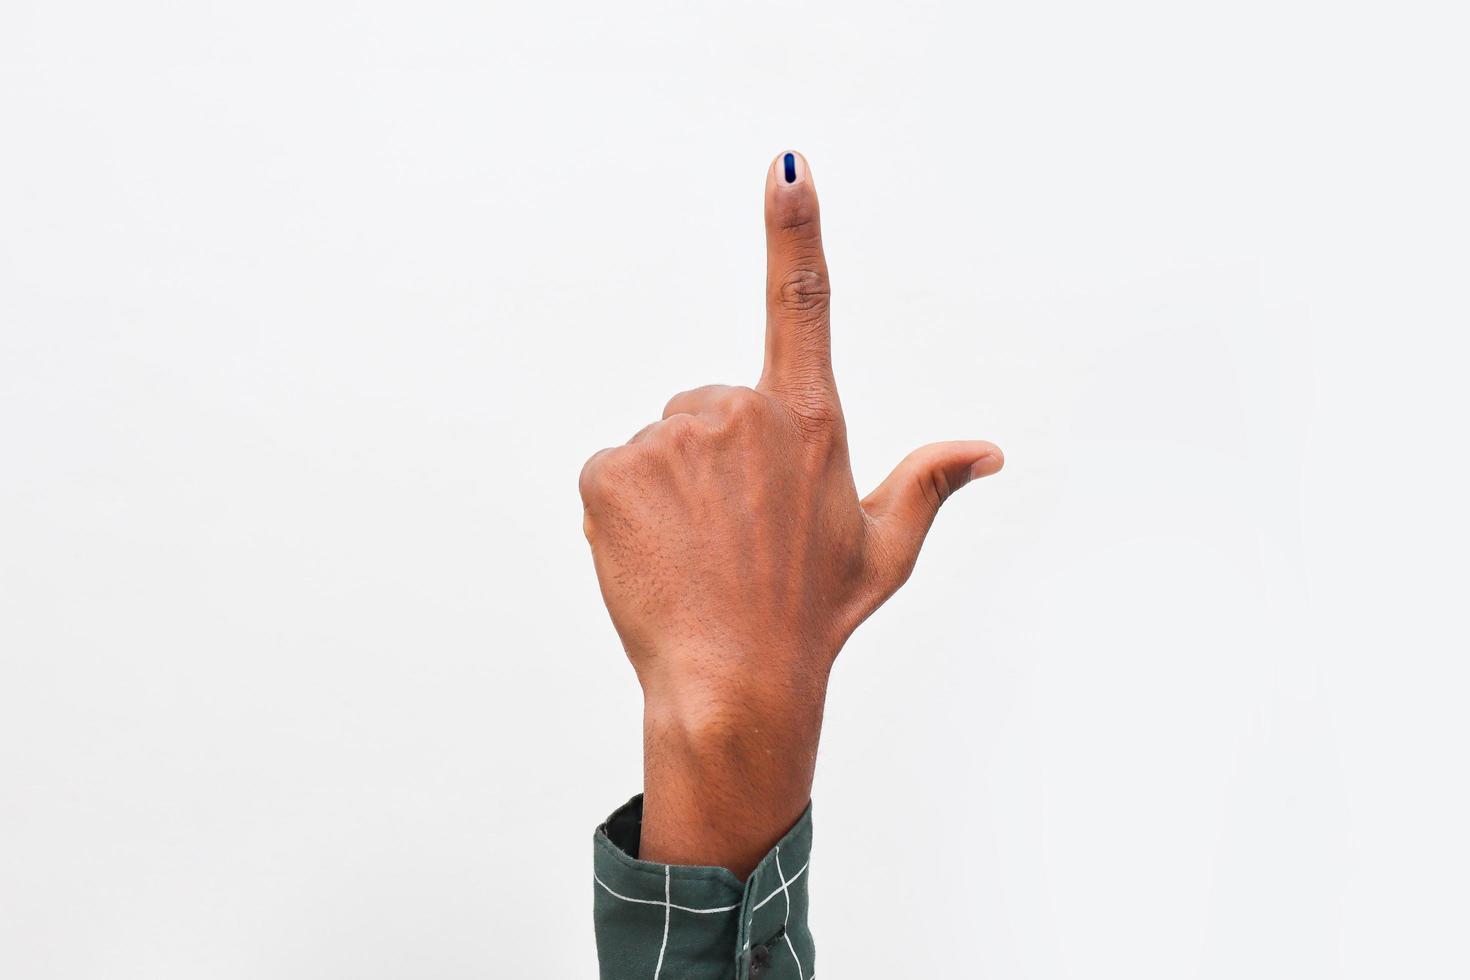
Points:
(697, 923)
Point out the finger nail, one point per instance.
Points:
(986, 465)
(790, 169)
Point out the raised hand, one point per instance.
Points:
(736, 558)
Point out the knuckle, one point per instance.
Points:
(680, 431)
(805, 290)
(935, 486)
(739, 413)
(696, 400)
(592, 481)
(648, 431)
(742, 403)
(609, 475)
(683, 401)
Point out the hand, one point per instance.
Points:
(736, 558)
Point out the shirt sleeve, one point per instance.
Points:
(678, 922)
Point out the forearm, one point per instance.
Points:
(722, 785)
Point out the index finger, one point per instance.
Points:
(798, 332)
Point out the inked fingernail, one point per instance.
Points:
(790, 164)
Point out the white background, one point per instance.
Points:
(310, 313)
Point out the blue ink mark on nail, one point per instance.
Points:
(791, 168)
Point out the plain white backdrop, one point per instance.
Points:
(310, 313)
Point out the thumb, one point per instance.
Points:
(905, 505)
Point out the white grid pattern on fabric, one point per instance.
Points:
(782, 889)
(787, 921)
(667, 912)
(651, 901)
(668, 906)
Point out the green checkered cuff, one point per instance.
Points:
(692, 923)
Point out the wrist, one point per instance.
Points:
(727, 768)
(710, 686)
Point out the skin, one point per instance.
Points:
(736, 558)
